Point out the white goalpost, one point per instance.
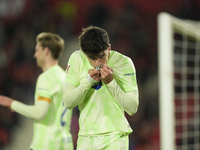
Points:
(179, 83)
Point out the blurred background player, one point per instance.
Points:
(51, 119)
(103, 83)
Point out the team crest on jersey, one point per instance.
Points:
(97, 85)
(68, 68)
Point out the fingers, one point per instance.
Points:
(107, 67)
(106, 74)
(95, 74)
(5, 101)
(2, 99)
(106, 70)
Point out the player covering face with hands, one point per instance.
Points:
(51, 119)
(101, 71)
(102, 82)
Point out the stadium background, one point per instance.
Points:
(132, 27)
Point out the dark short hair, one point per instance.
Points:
(53, 41)
(93, 40)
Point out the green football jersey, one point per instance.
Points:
(99, 111)
(53, 131)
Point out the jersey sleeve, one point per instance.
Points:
(46, 88)
(125, 75)
(72, 70)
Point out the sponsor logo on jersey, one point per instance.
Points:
(42, 89)
(129, 74)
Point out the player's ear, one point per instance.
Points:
(47, 51)
(109, 48)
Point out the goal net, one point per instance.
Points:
(179, 83)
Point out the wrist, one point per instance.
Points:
(90, 79)
(111, 82)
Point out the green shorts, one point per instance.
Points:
(115, 141)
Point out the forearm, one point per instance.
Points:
(127, 100)
(74, 95)
(31, 111)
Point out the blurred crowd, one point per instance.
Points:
(132, 30)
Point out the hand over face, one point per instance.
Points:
(106, 74)
(95, 74)
(5, 101)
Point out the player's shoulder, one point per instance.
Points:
(52, 74)
(77, 57)
(117, 57)
(77, 53)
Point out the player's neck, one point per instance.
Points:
(49, 64)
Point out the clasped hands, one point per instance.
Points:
(105, 74)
